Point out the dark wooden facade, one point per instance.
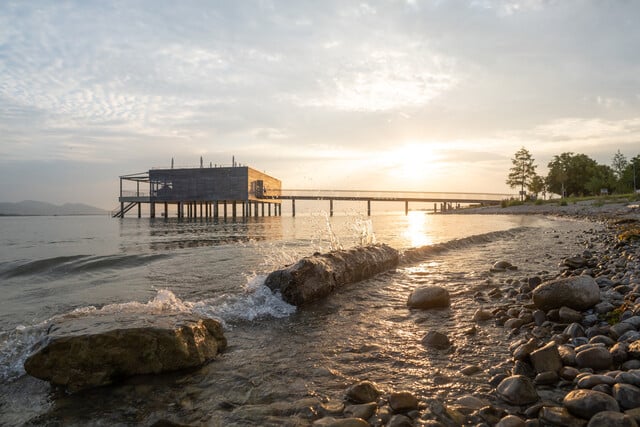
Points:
(215, 191)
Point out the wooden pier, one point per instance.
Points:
(239, 191)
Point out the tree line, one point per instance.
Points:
(574, 175)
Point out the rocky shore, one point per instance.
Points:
(575, 342)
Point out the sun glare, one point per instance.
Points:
(417, 231)
(413, 164)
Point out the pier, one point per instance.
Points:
(240, 191)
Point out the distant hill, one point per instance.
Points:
(32, 207)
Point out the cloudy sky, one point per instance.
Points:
(386, 95)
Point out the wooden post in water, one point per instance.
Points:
(368, 207)
(406, 207)
(255, 209)
(262, 207)
(225, 209)
(166, 210)
(233, 209)
(330, 207)
(293, 207)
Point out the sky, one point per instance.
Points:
(335, 94)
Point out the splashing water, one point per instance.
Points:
(364, 230)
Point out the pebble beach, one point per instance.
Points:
(574, 339)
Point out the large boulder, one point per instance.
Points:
(101, 348)
(319, 275)
(578, 293)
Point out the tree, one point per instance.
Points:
(619, 164)
(570, 173)
(630, 180)
(603, 178)
(522, 171)
(537, 186)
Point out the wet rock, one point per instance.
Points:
(586, 403)
(364, 410)
(634, 349)
(341, 422)
(597, 358)
(332, 407)
(510, 421)
(99, 349)
(403, 401)
(517, 390)
(557, 416)
(546, 358)
(481, 315)
(619, 329)
(627, 395)
(437, 340)
(470, 370)
(426, 297)
(502, 266)
(611, 419)
(577, 292)
(363, 392)
(319, 275)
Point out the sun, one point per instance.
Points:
(412, 164)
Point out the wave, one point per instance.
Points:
(420, 253)
(63, 265)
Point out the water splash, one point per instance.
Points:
(257, 301)
(334, 241)
(363, 228)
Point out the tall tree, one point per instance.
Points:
(522, 172)
(630, 180)
(619, 163)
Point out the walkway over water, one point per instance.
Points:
(242, 191)
(447, 200)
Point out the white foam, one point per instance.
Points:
(257, 301)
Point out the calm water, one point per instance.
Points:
(53, 265)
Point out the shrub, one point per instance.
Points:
(563, 203)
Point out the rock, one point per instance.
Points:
(567, 354)
(597, 358)
(363, 410)
(586, 403)
(627, 395)
(577, 292)
(510, 421)
(470, 370)
(634, 349)
(568, 373)
(481, 315)
(400, 421)
(513, 323)
(569, 315)
(557, 416)
(619, 329)
(611, 419)
(501, 266)
(101, 348)
(546, 358)
(403, 401)
(363, 392)
(319, 275)
(523, 351)
(426, 297)
(436, 340)
(342, 422)
(517, 390)
(590, 381)
(546, 378)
